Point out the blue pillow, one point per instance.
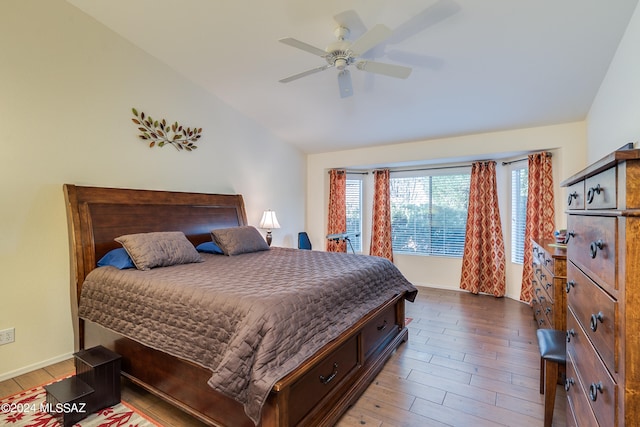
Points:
(209, 247)
(118, 258)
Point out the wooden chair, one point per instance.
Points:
(553, 353)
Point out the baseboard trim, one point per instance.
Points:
(42, 364)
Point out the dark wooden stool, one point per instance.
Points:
(553, 353)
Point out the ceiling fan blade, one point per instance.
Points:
(344, 82)
(433, 14)
(390, 70)
(304, 46)
(370, 39)
(304, 74)
(351, 20)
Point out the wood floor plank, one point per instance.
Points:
(495, 414)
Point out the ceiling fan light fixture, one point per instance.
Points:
(340, 63)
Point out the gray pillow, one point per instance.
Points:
(159, 249)
(239, 240)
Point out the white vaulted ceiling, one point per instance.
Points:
(478, 65)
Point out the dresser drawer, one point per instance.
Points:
(592, 247)
(575, 198)
(384, 326)
(600, 190)
(322, 378)
(596, 311)
(579, 413)
(595, 381)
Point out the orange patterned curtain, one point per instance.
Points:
(337, 209)
(539, 222)
(483, 261)
(381, 228)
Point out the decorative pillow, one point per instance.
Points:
(118, 258)
(159, 249)
(209, 247)
(239, 240)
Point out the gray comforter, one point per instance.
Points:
(250, 318)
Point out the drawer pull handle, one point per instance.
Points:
(547, 261)
(593, 248)
(547, 310)
(327, 380)
(592, 192)
(594, 320)
(568, 383)
(548, 285)
(570, 234)
(572, 196)
(594, 389)
(570, 333)
(570, 284)
(383, 326)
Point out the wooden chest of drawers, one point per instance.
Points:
(603, 292)
(549, 284)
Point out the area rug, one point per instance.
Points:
(27, 409)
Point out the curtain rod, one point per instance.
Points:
(350, 172)
(356, 172)
(523, 159)
(431, 168)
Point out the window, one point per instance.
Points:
(519, 190)
(429, 212)
(354, 213)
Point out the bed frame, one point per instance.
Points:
(316, 393)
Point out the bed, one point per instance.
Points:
(311, 382)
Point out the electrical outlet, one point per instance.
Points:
(7, 336)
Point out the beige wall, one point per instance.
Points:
(567, 143)
(67, 85)
(614, 118)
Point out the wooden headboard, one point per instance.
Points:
(97, 215)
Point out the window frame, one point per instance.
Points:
(431, 173)
(357, 242)
(518, 211)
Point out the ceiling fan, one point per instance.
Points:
(342, 53)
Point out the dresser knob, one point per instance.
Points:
(572, 196)
(594, 388)
(593, 248)
(594, 320)
(592, 192)
(568, 383)
(570, 333)
(570, 284)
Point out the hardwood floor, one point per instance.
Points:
(471, 360)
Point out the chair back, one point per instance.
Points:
(303, 241)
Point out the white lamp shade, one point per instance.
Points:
(269, 220)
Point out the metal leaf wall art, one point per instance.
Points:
(159, 133)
